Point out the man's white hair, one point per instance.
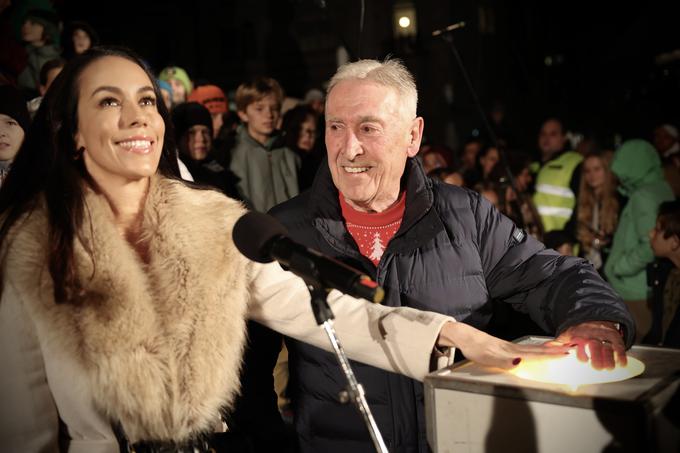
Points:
(390, 73)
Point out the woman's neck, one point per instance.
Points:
(127, 204)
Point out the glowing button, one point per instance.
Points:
(569, 371)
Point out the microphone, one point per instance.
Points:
(451, 27)
(262, 238)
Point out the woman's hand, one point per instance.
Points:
(488, 350)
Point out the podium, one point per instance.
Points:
(473, 409)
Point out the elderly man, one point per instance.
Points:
(431, 246)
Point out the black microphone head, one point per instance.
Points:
(253, 234)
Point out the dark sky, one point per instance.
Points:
(602, 79)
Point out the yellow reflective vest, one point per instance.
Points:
(554, 199)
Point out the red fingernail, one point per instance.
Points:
(516, 361)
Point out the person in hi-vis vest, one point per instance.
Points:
(557, 180)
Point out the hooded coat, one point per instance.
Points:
(638, 168)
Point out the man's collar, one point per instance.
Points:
(419, 196)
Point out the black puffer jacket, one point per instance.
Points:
(453, 254)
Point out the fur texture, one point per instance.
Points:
(161, 343)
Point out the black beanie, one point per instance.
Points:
(189, 114)
(12, 104)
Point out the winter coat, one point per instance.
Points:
(268, 174)
(37, 56)
(156, 347)
(453, 254)
(638, 167)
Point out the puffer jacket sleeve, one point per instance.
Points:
(397, 339)
(556, 291)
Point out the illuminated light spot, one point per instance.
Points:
(571, 372)
(404, 22)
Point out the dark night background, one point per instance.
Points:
(603, 78)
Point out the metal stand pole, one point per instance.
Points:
(492, 135)
(354, 391)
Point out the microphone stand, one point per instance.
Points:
(445, 34)
(324, 318)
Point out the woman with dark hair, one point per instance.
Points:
(299, 128)
(517, 203)
(487, 158)
(124, 297)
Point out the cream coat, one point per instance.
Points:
(158, 347)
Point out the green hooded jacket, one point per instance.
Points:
(638, 167)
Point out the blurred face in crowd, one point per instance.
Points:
(432, 161)
(551, 138)
(489, 160)
(566, 249)
(262, 117)
(662, 247)
(469, 155)
(368, 139)
(663, 140)
(33, 32)
(11, 137)
(594, 172)
(307, 136)
(523, 180)
(119, 127)
(492, 197)
(179, 93)
(81, 41)
(198, 141)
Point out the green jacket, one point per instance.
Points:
(268, 174)
(638, 167)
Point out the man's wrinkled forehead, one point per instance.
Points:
(367, 99)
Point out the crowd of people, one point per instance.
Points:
(583, 243)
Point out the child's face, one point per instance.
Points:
(11, 137)
(662, 247)
(262, 117)
(32, 32)
(179, 93)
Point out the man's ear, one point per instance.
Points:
(243, 115)
(416, 136)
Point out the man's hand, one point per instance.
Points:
(604, 343)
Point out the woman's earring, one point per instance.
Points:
(77, 154)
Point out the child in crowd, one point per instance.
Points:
(663, 277)
(40, 34)
(179, 81)
(214, 99)
(266, 168)
(14, 121)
